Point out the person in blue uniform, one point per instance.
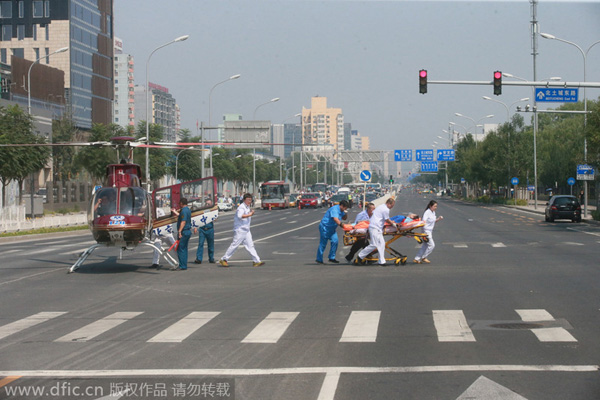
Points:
(327, 230)
(184, 231)
(206, 234)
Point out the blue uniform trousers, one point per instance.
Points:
(207, 235)
(182, 248)
(327, 234)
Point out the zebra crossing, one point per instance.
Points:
(360, 326)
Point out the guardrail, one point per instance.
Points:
(13, 218)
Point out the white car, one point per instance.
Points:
(224, 205)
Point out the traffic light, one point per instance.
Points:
(497, 83)
(423, 81)
(391, 179)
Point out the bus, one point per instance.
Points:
(275, 194)
(320, 187)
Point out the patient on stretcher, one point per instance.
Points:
(405, 223)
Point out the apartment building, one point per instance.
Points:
(33, 30)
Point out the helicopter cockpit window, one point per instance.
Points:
(105, 202)
(199, 194)
(132, 201)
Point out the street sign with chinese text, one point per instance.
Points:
(402, 155)
(445, 155)
(558, 95)
(424, 155)
(585, 172)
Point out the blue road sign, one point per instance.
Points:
(429, 166)
(445, 155)
(531, 188)
(424, 155)
(571, 181)
(514, 181)
(402, 155)
(365, 175)
(585, 172)
(557, 95)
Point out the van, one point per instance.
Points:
(344, 190)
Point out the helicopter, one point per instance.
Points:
(123, 214)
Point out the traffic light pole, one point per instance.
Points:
(518, 83)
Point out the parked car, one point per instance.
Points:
(224, 205)
(309, 200)
(293, 198)
(563, 207)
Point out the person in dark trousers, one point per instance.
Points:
(363, 242)
(206, 234)
(581, 197)
(184, 232)
(327, 230)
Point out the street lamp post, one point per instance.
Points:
(584, 54)
(263, 104)
(61, 50)
(474, 123)
(505, 106)
(535, 128)
(179, 39)
(209, 119)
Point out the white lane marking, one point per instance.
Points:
(271, 328)
(306, 370)
(184, 327)
(32, 275)
(96, 328)
(81, 245)
(557, 334)
(361, 327)
(572, 243)
(28, 322)
(452, 326)
(499, 244)
(329, 386)
(484, 388)
(582, 231)
(535, 315)
(460, 246)
(553, 335)
(10, 251)
(291, 230)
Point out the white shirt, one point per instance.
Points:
(429, 219)
(380, 214)
(240, 223)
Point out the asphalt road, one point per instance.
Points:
(508, 307)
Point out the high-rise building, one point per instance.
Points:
(163, 109)
(124, 103)
(34, 29)
(322, 125)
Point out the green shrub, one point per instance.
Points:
(596, 215)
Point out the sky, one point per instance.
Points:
(364, 56)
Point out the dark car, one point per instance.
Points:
(563, 207)
(336, 198)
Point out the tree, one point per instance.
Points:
(95, 159)
(186, 164)
(16, 127)
(159, 158)
(63, 157)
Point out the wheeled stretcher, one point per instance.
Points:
(354, 233)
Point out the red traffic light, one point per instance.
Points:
(497, 83)
(423, 81)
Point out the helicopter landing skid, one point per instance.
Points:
(174, 263)
(165, 254)
(83, 257)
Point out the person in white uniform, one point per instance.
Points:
(241, 233)
(380, 216)
(430, 219)
(167, 238)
